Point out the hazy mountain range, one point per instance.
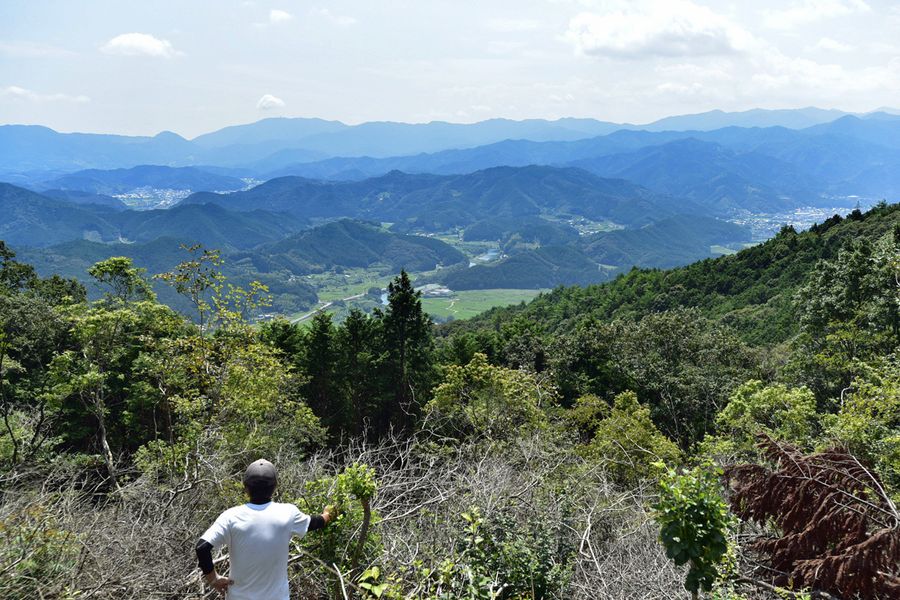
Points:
(570, 201)
(273, 143)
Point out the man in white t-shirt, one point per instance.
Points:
(258, 536)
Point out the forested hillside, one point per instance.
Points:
(546, 255)
(752, 291)
(730, 428)
(437, 203)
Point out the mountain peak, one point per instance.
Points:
(168, 135)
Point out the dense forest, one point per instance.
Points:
(729, 429)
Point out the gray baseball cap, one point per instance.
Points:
(260, 472)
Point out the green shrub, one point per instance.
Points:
(869, 422)
(338, 543)
(37, 557)
(787, 414)
(694, 521)
(625, 438)
(479, 399)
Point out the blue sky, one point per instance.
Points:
(191, 66)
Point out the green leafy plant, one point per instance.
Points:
(625, 438)
(787, 414)
(352, 491)
(375, 585)
(37, 555)
(465, 576)
(481, 400)
(694, 521)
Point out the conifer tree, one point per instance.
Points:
(357, 368)
(318, 362)
(407, 354)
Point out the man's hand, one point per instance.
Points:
(330, 513)
(217, 582)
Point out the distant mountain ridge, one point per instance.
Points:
(770, 168)
(440, 202)
(28, 219)
(26, 148)
(350, 243)
(118, 181)
(280, 265)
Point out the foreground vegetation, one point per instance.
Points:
(730, 429)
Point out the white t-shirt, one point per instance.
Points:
(258, 537)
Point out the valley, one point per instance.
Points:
(573, 211)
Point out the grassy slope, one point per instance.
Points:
(467, 304)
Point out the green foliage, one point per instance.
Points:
(14, 275)
(357, 481)
(369, 374)
(36, 554)
(787, 414)
(408, 354)
(869, 420)
(482, 401)
(850, 314)
(196, 278)
(531, 559)
(625, 439)
(124, 282)
(500, 558)
(99, 381)
(32, 330)
(220, 382)
(317, 360)
(358, 340)
(683, 366)
(351, 490)
(694, 521)
(468, 577)
(376, 586)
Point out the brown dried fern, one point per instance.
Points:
(840, 531)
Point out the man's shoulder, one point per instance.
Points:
(286, 507)
(231, 512)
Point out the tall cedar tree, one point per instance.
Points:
(407, 347)
(319, 362)
(357, 365)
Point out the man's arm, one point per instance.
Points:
(204, 560)
(320, 521)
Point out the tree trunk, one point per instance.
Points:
(363, 534)
(104, 445)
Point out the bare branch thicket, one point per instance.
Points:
(138, 543)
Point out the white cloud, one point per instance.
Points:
(776, 71)
(140, 44)
(14, 91)
(831, 45)
(807, 11)
(510, 25)
(657, 28)
(279, 16)
(339, 20)
(269, 102)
